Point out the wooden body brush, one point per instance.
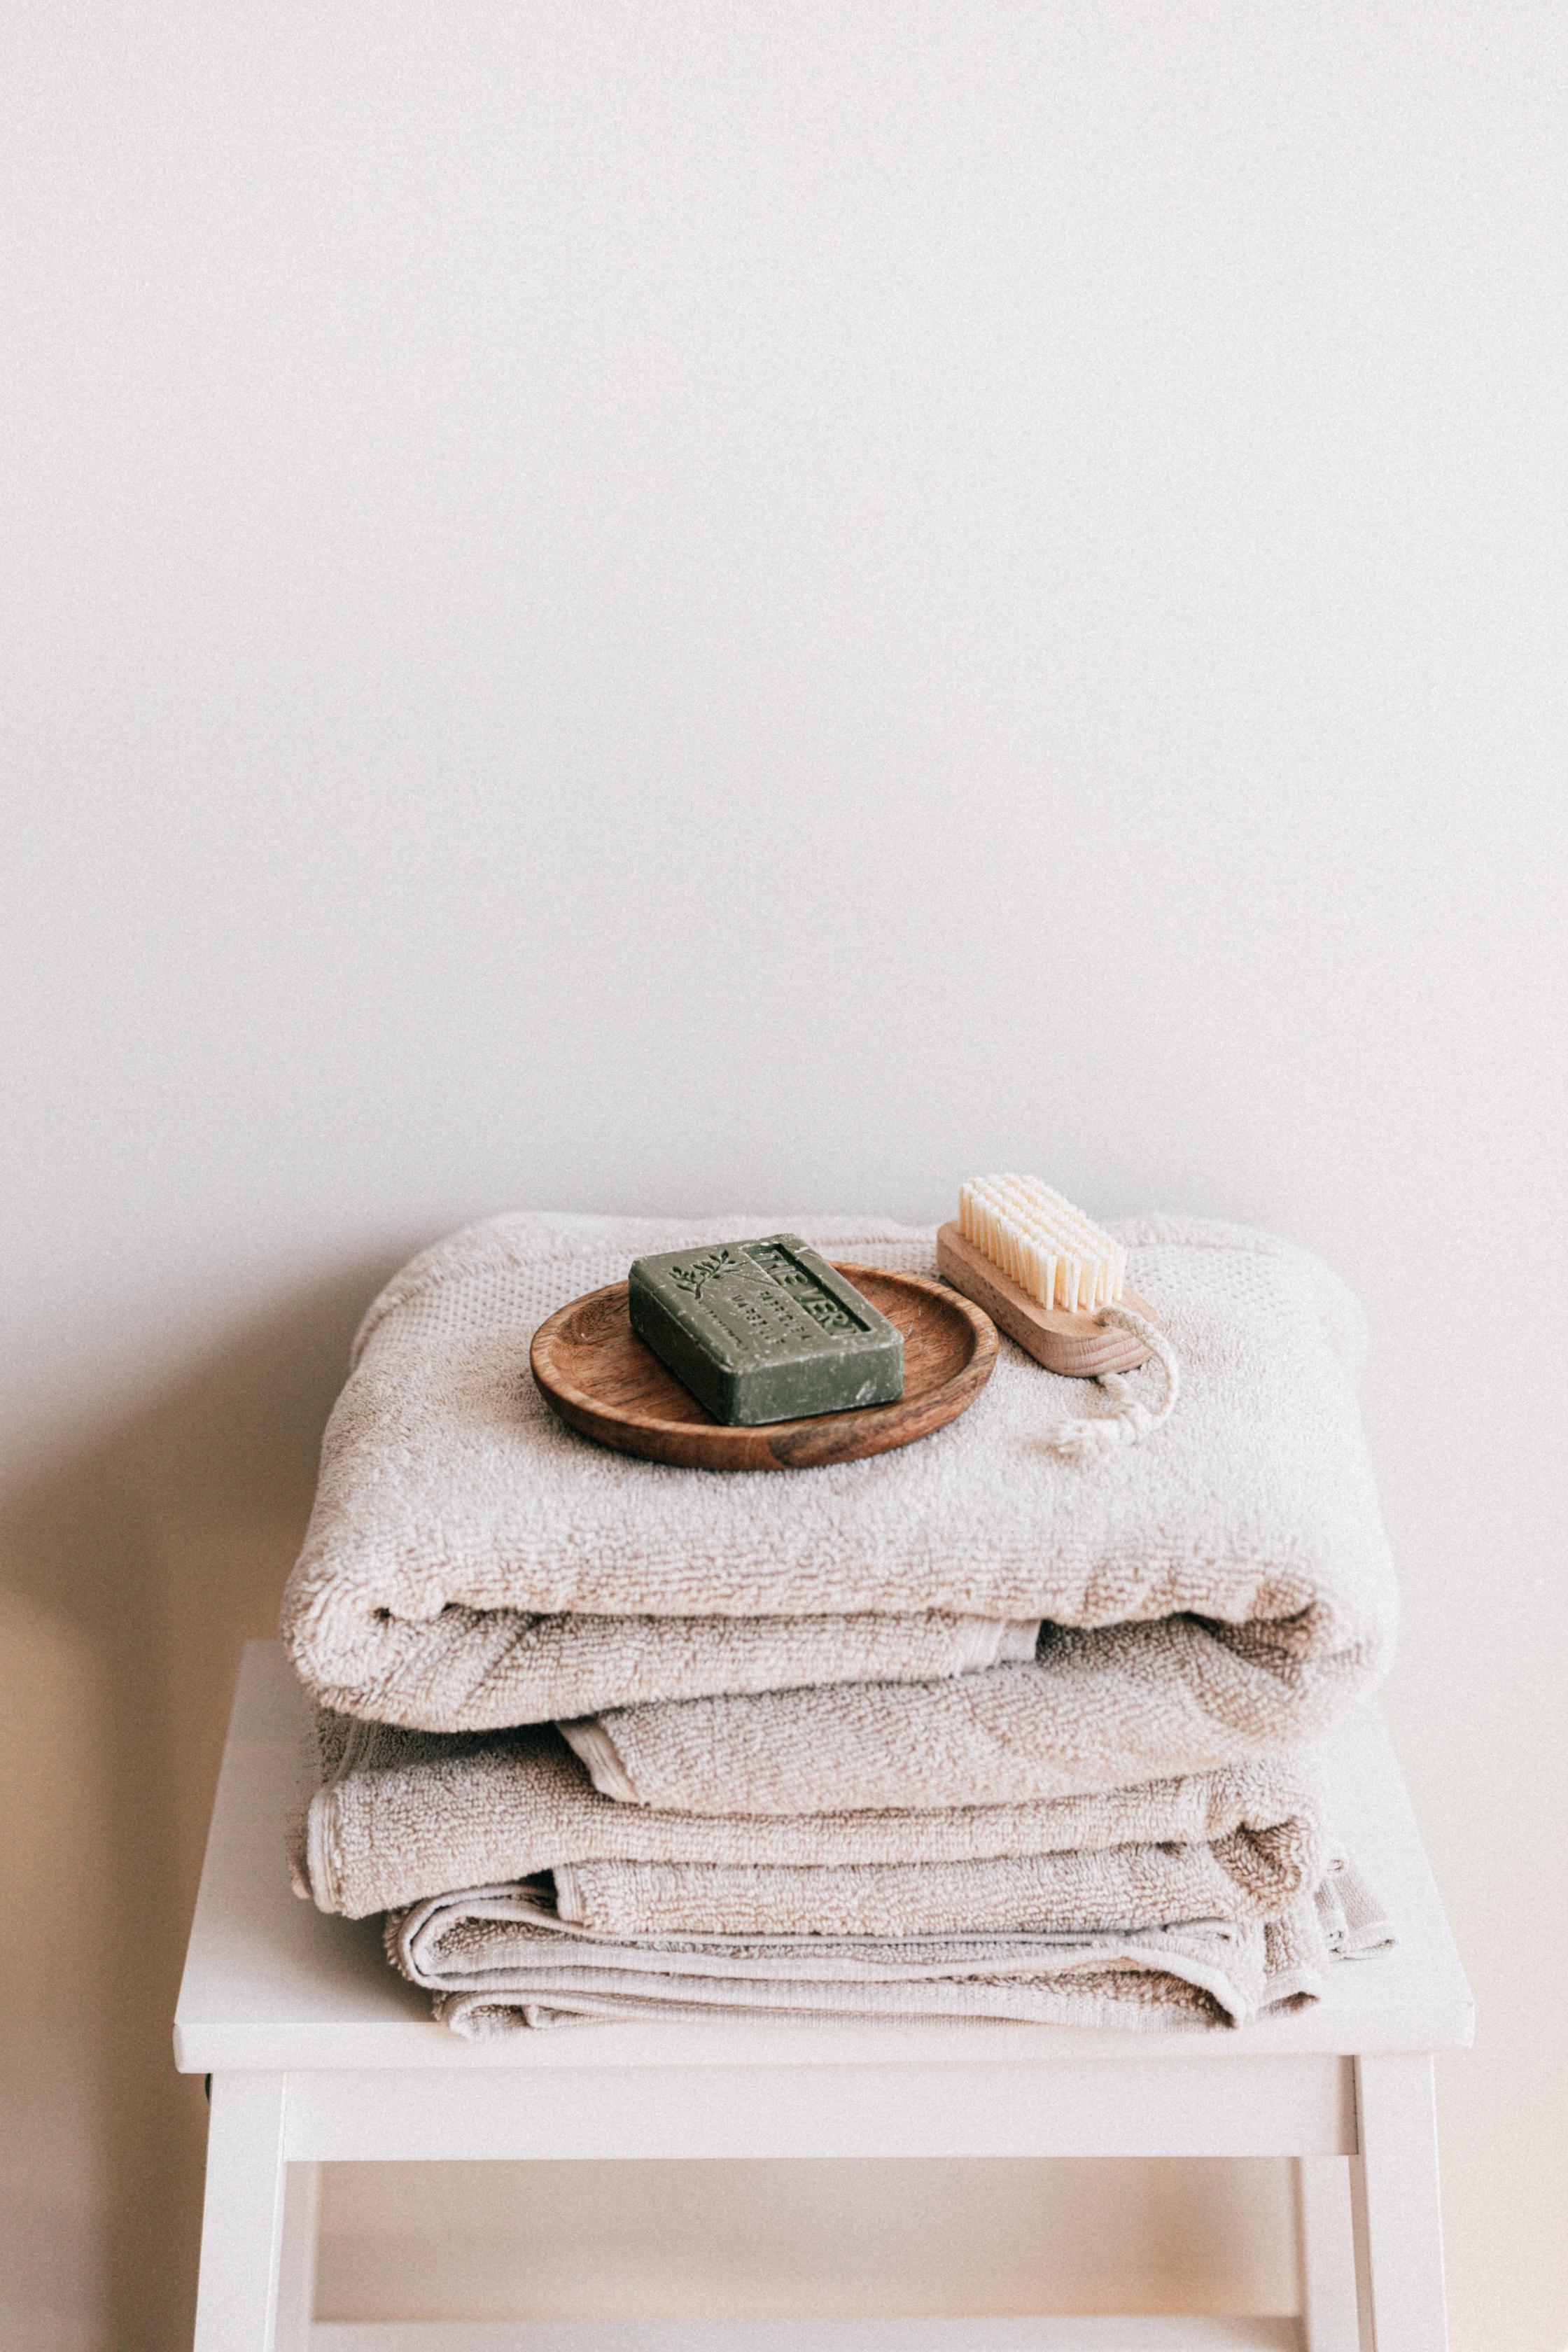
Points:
(1043, 1273)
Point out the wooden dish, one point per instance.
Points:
(1074, 1344)
(602, 1380)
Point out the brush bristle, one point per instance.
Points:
(1042, 1243)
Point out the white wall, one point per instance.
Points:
(678, 605)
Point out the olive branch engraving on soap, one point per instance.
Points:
(696, 1275)
(773, 1265)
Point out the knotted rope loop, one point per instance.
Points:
(1129, 1421)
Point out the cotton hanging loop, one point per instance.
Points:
(1129, 1421)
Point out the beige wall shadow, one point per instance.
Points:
(130, 1575)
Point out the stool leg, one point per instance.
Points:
(1325, 2237)
(297, 2261)
(242, 2217)
(1398, 2221)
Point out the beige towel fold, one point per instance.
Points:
(1250, 1875)
(399, 1815)
(1091, 1711)
(497, 1958)
(480, 1668)
(450, 1495)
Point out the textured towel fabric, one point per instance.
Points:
(480, 1668)
(1092, 1711)
(449, 1492)
(498, 1957)
(1249, 1874)
(399, 1815)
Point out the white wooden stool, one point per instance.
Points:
(317, 2053)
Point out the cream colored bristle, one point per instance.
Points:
(1042, 1243)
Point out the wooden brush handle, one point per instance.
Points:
(1076, 1345)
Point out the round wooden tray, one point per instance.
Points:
(606, 1381)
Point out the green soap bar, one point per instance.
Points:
(765, 1330)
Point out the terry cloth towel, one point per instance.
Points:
(1249, 1874)
(498, 1957)
(484, 1667)
(398, 1815)
(448, 1484)
(1091, 1711)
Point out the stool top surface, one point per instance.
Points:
(270, 1982)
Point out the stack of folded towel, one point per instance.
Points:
(963, 1730)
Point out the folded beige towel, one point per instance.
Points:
(1092, 1711)
(479, 1668)
(448, 1485)
(1250, 1875)
(498, 1957)
(398, 1815)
